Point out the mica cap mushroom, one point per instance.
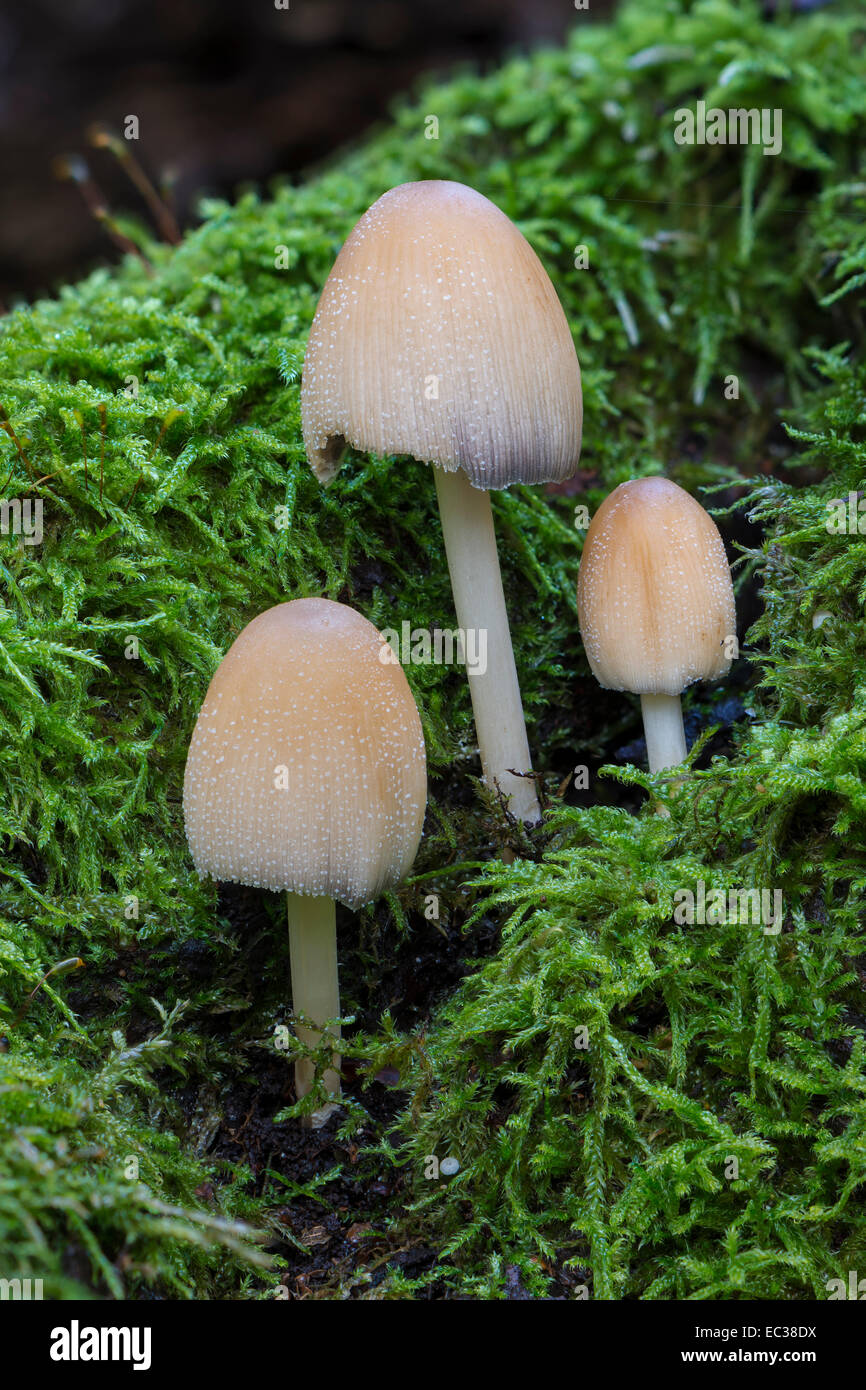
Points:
(306, 774)
(656, 604)
(438, 334)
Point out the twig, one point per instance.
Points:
(101, 409)
(5, 425)
(75, 169)
(101, 138)
(80, 418)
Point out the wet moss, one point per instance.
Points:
(156, 419)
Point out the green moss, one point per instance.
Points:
(705, 1042)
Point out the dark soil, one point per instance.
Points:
(345, 1238)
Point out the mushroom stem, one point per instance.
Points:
(476, 583)
(315, 984)
(663, 730)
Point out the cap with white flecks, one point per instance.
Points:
(439, 334)
(654, 591)
(306, 769)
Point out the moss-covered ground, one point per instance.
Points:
(639, 1107)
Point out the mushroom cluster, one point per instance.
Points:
(438, 335)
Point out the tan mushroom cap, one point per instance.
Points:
(306, 770)
(654, 592)
(439, 334)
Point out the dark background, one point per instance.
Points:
(226, 93)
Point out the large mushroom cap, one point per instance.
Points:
(306, 770)
(438, 334)
(654, 591)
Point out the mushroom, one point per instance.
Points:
(307, 774)
(439, 334)
(656, 604)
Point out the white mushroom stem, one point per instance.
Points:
(315, 984)
(663, 730)
(476, 582)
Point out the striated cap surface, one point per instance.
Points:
(439, 334)
(306, 770)
(654, 591)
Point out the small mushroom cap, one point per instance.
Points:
(654, 592)
(439, 334)
(306, 770)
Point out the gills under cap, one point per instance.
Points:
(306, 770)
(654, 593)
(439, 334)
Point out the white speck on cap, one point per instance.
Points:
(654, 592)
(436, 282)
(303, 687)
